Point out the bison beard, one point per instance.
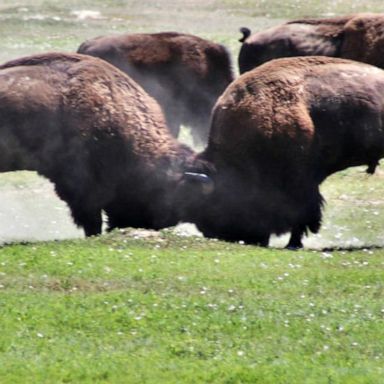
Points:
(184, 73)
(95, 134)
(277, 132)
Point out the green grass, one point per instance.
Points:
(166, 309)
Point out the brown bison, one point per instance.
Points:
(277, 132)
(357, 37)
(93, 132)
(184, 73)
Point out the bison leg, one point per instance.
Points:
(263, 241)
(372, 167)
(85, 214)
(296, 237)
(90, 220)
(310, 219)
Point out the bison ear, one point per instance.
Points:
(206, 183)
(246, 33)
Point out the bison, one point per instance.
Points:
(356, 37)
(96, 134)
(277, 132)
(184, 73)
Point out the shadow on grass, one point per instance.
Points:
(371, 247)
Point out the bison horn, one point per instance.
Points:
(246, 33)
(204, 180)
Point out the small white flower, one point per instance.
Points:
(240, 353)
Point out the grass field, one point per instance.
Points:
(147, 307)
(156, 308)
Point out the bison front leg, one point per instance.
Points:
(90, 220)
(87, 217)
(86, 213)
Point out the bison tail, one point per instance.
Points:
(246, 33)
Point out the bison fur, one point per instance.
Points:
(184, 73)
(96, 134)
(356, 37)
(277, 132)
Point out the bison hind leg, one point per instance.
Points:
(295, 241)
(372, 167)
(263, 241)
(311, 219)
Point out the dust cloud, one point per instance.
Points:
(33, 212)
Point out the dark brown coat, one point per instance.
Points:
(277, 132)
(357, 37)
(184, 73)
(95, 134)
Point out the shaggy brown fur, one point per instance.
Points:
(277, 132)
(184, 73)
(357, 37)
(95, 134)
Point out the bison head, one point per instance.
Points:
(225, 205)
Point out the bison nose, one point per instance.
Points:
(202, 179)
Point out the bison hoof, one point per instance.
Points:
(294, 247)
